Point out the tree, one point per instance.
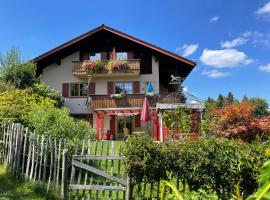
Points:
(220, 101)
(245, 98)
(230, 98)
(260, 107)
(15, 71)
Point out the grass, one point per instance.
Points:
(10, 188)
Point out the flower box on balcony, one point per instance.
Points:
(117, 65)
(117, 96)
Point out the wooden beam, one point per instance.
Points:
(98, 172)
(90, 157)
(96, 187)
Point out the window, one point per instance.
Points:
(95, 56)
(123, 88)
(78, 90)
(121, 55)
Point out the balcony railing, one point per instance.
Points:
(129, 100)
(132, 69)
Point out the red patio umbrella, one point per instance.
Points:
(145, 114)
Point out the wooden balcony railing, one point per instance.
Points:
(132, 69)
(129, 100)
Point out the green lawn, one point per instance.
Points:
(10, 188)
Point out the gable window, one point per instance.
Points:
(121, 55)
(123, 88)
(78, 89)
(94, 56)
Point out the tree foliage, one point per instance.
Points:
(236, 121)
(58, 124)
(45, 91)
(178, 119)
(16, 104)
(17, 72)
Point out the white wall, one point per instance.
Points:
(54, 75)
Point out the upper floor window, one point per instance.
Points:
(123, 88)
(121, 55)
(78, 89)
(95, 56)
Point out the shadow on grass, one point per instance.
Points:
(11, 189)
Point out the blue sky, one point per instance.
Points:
(229, 39)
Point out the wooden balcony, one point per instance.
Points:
(131, 70)
(128, 101)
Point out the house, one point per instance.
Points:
(107, 92)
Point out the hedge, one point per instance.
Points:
(213, 165)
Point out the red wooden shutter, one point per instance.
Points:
(130, 55)
(136, 87)
(112, 124)
(84, 55)
(92, 88)
(110, 88)
(138, 120)
(104, 55)
(65, 89)
(91, 119)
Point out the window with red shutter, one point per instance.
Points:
(84, 55)
(136, 87)
(92, 88)
(130, 55)
(65, 89)
(104, 55)
(110, 89)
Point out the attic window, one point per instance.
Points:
(94, 56)
(121, 55)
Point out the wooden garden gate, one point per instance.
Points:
(97, 174)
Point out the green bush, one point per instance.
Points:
(210, 164)
(58, 124)
(16, 104)
(45, 91)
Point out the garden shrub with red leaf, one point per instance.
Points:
(237, 121)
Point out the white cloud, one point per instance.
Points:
(187, 50)
(214, 19)
(234, 43)
(224, 58)
(216, 74)
(265, 10)
(265, 68)
(185, 89)
(257, 38)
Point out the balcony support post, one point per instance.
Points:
(155, 125)
(100, 125)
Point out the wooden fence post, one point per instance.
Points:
(64, 173)
(129, 189)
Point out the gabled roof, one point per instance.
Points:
(119, 33)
